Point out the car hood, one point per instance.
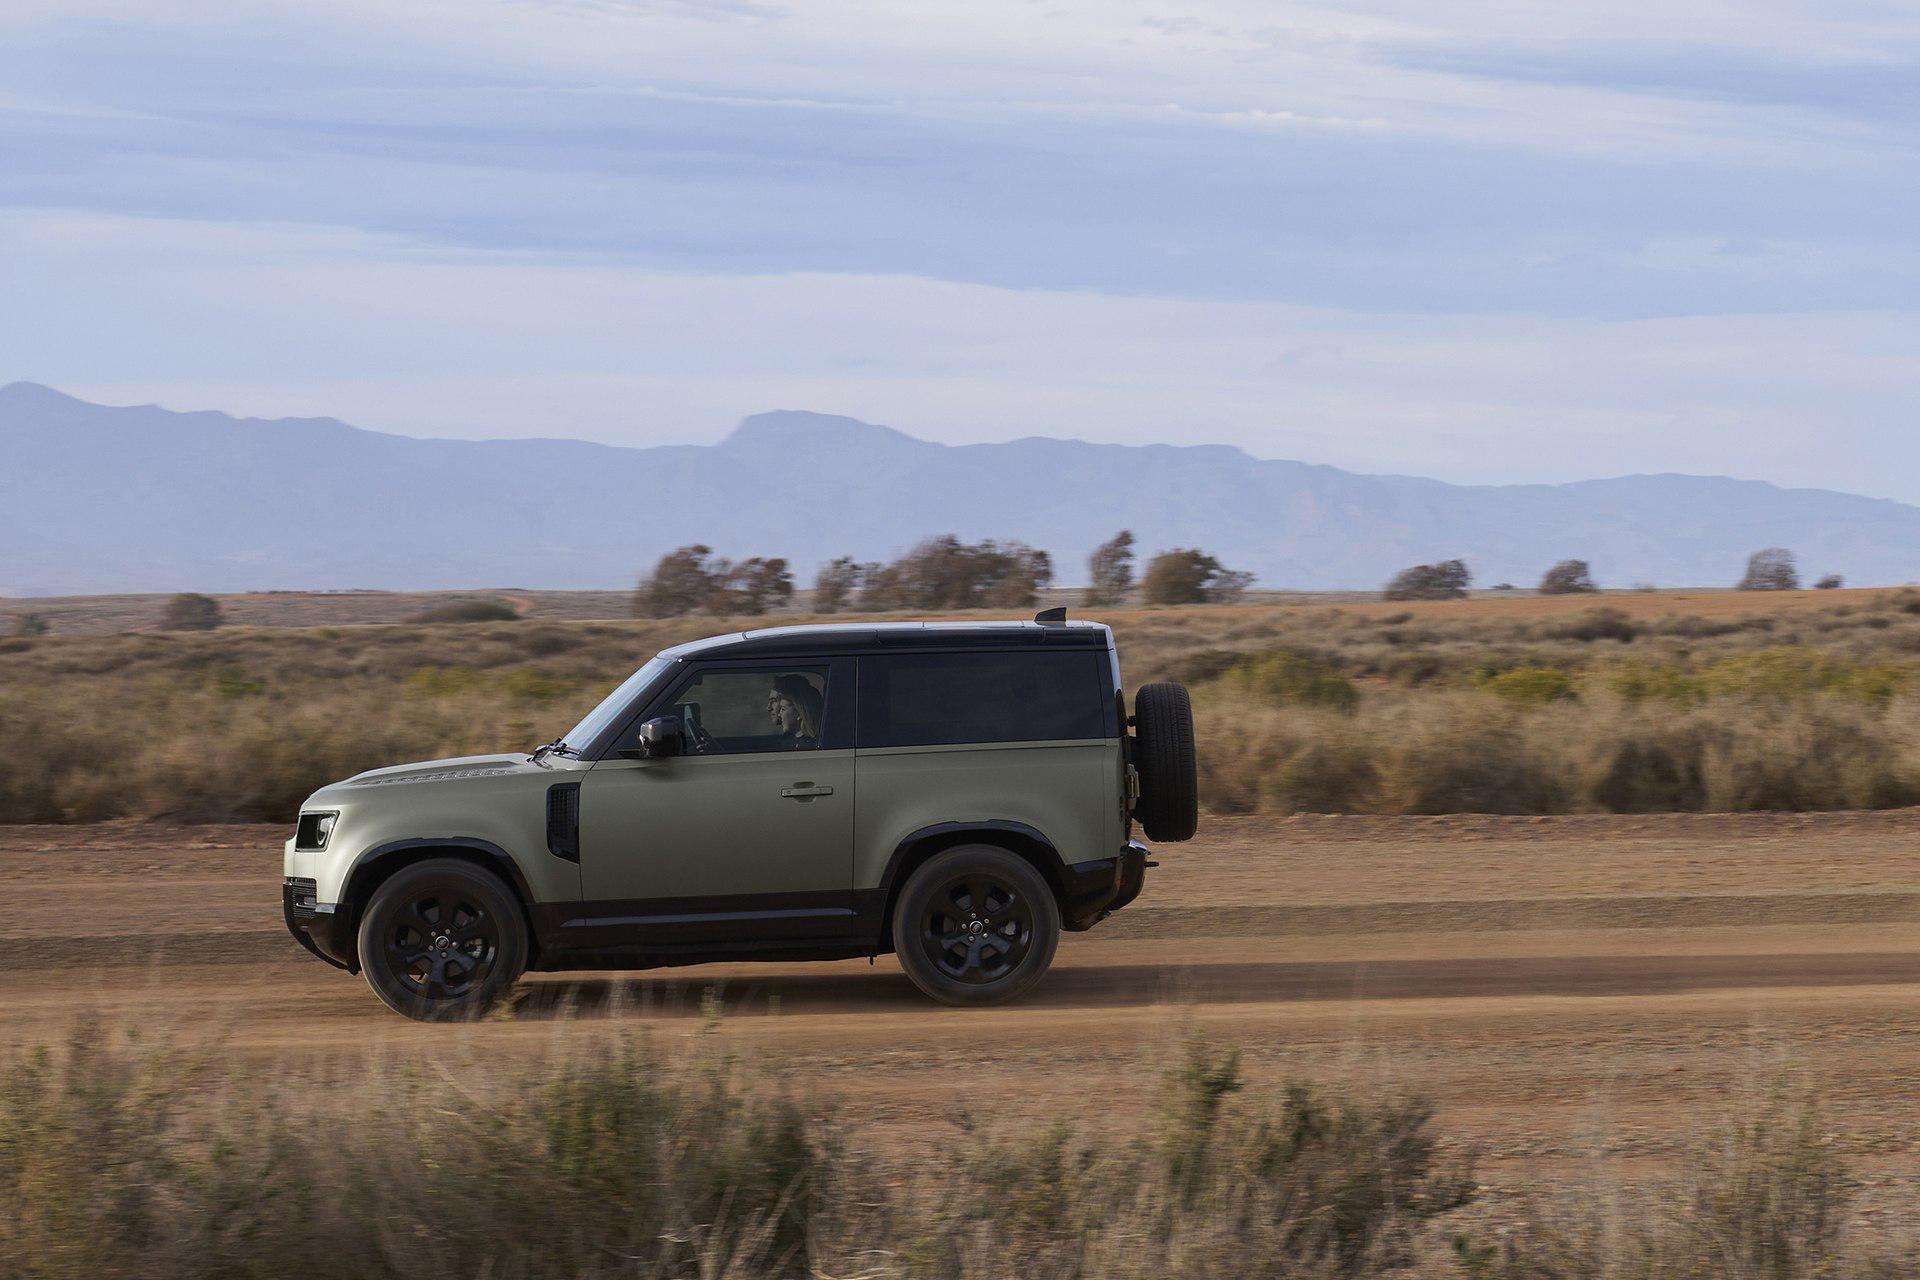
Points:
(449, 770)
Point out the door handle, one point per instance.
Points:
(804, 791)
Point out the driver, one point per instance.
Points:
(793, 704)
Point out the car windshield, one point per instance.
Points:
(596, 721)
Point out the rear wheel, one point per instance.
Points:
(442, 940)
(976, 925)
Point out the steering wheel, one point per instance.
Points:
(701, 741)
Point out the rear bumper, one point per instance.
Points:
(1097, 889)
(317, 927)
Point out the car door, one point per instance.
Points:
(745, 837)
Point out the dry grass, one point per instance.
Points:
(1474, 706)
(124, 1158)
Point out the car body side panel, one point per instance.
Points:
(501, 806)
(1064, 790)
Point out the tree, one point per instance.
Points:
(1446, 580)
(1771, 569)
(191, 611)
(836, 582)
(1832, 582)
(1110, 570)
(1568, 578)
(1228, 585)
(1186, 575)
(30, 624)
(682, 582)
(752, 586)
(946, 573)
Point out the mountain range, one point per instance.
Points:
(96, 498)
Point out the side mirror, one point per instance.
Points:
(659, 737)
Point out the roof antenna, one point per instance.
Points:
(1054, 617)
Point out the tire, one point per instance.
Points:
(442, 940)
(961, 955)
(1169, 803)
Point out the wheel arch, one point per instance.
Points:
(379, 864)
(919, 847)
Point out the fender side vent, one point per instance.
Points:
(563, 820)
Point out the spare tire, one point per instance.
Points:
(1169, 803)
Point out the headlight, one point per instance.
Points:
(313, 830)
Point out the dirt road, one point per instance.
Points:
(1568, 990)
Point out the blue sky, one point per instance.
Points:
(1480, 241)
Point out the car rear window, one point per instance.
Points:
(917, 700)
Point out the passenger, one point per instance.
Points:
(794, 706)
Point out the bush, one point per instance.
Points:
(946, 573)
(190, 611)
(682, 582)
(1596, 624)
(1831, 582)
(1569, 577)
(1110, 570)
(1187, 576)
(470, 611)
(30, 624)
(692, 579)
(837, 581)
(1446, 580)
(1770, 570)
(1290, 678)
(1530, 686)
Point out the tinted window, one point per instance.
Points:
(923, 699)
(728, 711)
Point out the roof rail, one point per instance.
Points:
(1053, 617)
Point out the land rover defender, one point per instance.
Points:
(954, 793)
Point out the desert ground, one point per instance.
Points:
(1575, 993)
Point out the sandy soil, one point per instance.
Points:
(1568, 990)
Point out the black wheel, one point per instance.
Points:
(1169, 803)
(976, 925)
(442, 940)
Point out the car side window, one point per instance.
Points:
(913, 700)
(728, 711)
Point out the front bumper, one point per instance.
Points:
(1097, 889)
(321, 928)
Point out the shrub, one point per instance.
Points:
(1530, 686)
(30, 624)
(1831, 582)
(190, 611)
(1652, 773)
(1291, 678)
(1446, 580)
(1110, 570)
(1596, 624)
(682, 582)
(751, 587)
(470, 611)
(1772, 569)
(1460, 761)
(946, 573)
(1187, 576)
(837, 581)
(1569, 577)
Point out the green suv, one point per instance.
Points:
(955, 793)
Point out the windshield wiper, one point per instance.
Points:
(557, 747)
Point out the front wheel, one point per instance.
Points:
(442, 940)
(976, 925)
